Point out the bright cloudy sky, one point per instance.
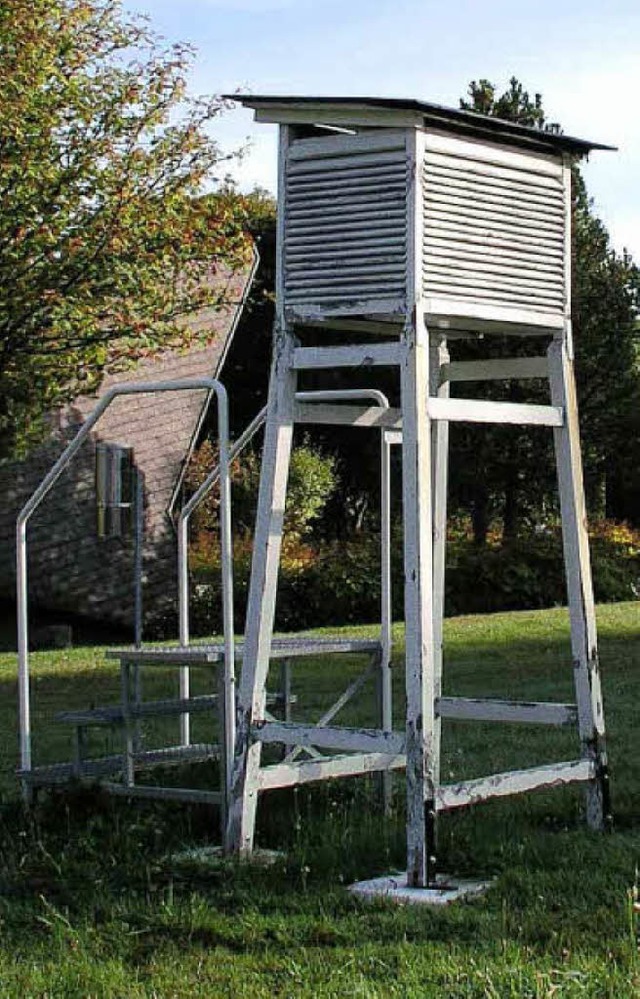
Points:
(582, 55)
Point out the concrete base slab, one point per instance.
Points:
(394, 888)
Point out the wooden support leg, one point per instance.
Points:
(579, 583)
(418, 579)
(440, 463)
(262, 592)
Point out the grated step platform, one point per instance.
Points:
(61, 773)
(281, 648)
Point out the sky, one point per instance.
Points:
(583, 57)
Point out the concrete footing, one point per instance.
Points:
(394, 888)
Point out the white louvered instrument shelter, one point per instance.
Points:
(374, 193)
(493, 229)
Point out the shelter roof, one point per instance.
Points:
(387, 111)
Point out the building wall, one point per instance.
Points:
(71, 570)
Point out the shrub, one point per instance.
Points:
(339, 582)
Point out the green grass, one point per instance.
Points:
(95, 899)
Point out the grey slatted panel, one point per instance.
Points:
(493, 234)
(345, 229)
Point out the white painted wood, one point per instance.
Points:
(351, 356)
(389, 139)
(334, 228)
(469, 315)
(369, 212)
(491, 190)
(345, 244)
(481, 151)
(584, 645)
(262, 591)
(349, 416)
(482, 411)
(369, 205)
(418, 562)
(346, 164)
(477, 290)
(477, 266)
(521, 223)
(472, 249)
(361, 740)
(491, 709)
(338, 115)
(478, 205)
(266, 553)
(307, 771)
(515, 782)
(568, 249)
(351, 191)
(365, 271)
(337, 305)
(439, 364)
(473, 177)
(496, 370)
(546, 246)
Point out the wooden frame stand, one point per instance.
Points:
(414, 235)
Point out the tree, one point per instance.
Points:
(106, 243)
(605, 296)
(514, 105)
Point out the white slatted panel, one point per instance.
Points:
(494, 228)
(345, 223)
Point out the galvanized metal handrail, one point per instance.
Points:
(32, 504)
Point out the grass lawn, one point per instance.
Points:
(97, 897)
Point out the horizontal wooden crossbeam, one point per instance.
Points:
(364, 740)
(290, 774)
(502, 785)
(488, 709)
(481, 411)
(500, 369)
(352, 356)
(450, 410)
(350, 416)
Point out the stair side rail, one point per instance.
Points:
(214, 387)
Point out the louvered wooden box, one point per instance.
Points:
(491, 225)
(466, 216)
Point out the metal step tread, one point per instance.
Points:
(114, 714)
(110, 714)
(60, 773)
(163, 793)
(281, 648)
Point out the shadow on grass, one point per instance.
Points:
(108, 874)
